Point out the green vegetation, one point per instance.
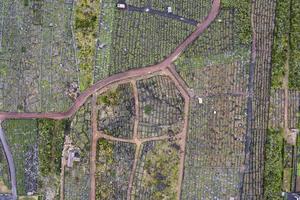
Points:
(273, 165)
(86, 27)
(148, 109)
(25, 2)
(243, 18)
(105, 39)
(110, 98)
(281, 42)
(294, 72)
(161, 170)
(51, 139)
(105, 153)
(286, 44)
(141, 39)
(113, 166)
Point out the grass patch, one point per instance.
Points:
(161, 168)
(51, 139)
(273, 165)
(86, 27)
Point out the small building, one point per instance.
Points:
(73, 156)
(121, 5)
(169, 9)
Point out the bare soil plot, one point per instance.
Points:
(161, 107)
(116, 111)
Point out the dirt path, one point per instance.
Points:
(10, 162)
(93, 152)
(288, 135)
(121, 76)
(181, 85)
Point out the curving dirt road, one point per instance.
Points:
(201, 27)
(10, 162)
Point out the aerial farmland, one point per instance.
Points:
(149, 99)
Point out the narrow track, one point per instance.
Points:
(201, 27)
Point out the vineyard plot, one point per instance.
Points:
(156, 176)
(116, 111)
(215, 148)
(217, 80)
(160, 107)
(114, 162)
(276, 117)
(37, 58)
(137, 41)
(263, 19)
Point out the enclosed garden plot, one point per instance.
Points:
(157, 172)
(77, 178)
(160, 107)
(37, 59)
(116, 111)
(114, 163)
(215, 148)
(277, 101)
(140, 39)
(226, 39)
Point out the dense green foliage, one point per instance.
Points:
(273, 165)
(51, 139)
(243, 18)
(86, 27)
(281, 42)
(286, 44)
(294, 75)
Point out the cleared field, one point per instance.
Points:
(77, 178)
(113, 167)
(160, 106)
(116, 111)
(37, 58)
(156, 176)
